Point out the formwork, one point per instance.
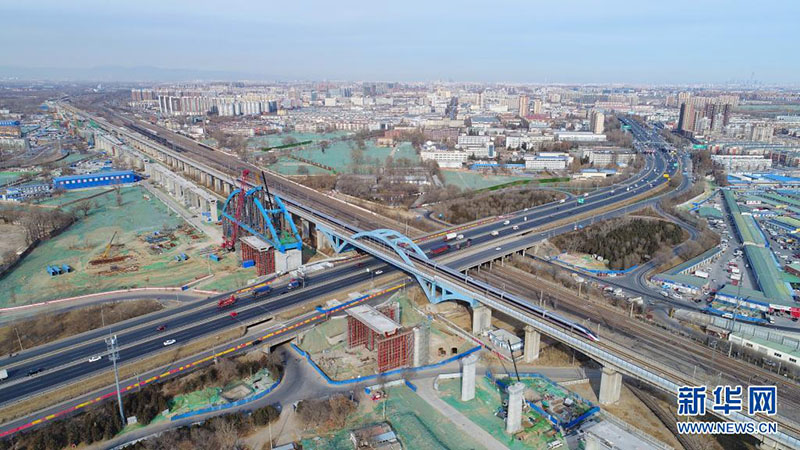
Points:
(261, 252)
(378, 331)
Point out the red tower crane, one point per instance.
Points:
(230, 244)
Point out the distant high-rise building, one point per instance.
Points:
(598, 120)
(703, 114)
(523, 105)
(537, 106)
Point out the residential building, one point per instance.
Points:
(579, 136)
(539, 162)
(597, 119)
(523, 106)
(743, 163)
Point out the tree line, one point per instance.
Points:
(623, 242)
(477, 206)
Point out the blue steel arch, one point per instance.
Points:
(274, 238)
(401, 245)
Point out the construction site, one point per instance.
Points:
(368, 340)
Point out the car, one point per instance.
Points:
(33, 372)
(497, 249)
(234, 314)
(95, 358)
(161, 328)
(169, 342)
(664, 294)
(506, 222)
(495, 233)
(515, 227)
(378, 272)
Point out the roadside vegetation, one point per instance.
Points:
(102, 422)
(46, 328)
(623, 242)
(476, 206)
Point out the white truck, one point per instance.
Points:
(450, 236)
(3, 374)
(701, 274)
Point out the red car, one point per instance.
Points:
(234, 314)
(161, 328)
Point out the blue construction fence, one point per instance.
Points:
(503, 384)
(596, 271)
(241, 402)
(307, 356)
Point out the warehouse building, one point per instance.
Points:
(95, 179)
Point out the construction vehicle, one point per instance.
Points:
(227, 301)
(230, 244)
(107, 251)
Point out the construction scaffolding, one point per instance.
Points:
(378, 331)
(260, 252)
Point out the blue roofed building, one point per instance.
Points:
(105, 178)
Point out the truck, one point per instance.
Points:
(450, 236)
(440, 249)
(266, 289)
(293, 283)
(3, 374)
(701, 274)
(227, 301)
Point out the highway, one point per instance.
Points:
(64, 360)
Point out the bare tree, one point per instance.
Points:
(84, 207)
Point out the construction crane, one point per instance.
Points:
(108, 247)
(230, 244)
(273, 216)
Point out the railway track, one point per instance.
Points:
(662, 345)
(233, 166)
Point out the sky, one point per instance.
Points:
(534, 41)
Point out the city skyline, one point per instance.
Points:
(583, 42)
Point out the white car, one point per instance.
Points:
(169, 342)
(378, 272)
(498, 248)
(515, 227)
(95, 358)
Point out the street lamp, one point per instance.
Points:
(113, 355)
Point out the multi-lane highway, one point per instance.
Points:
(68, 359)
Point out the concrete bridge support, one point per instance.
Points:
(323, 245)
(468, 377)
(610, 386)
(532, 343)
(514, 416)
(481, 319)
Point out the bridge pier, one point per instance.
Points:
(532, 344)
(610, 386)
(481, 319)
(468, 377)
(514, 416)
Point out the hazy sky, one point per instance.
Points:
(526, 41)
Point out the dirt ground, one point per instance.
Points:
(631, 410)
(131, 261)
(13, 238)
